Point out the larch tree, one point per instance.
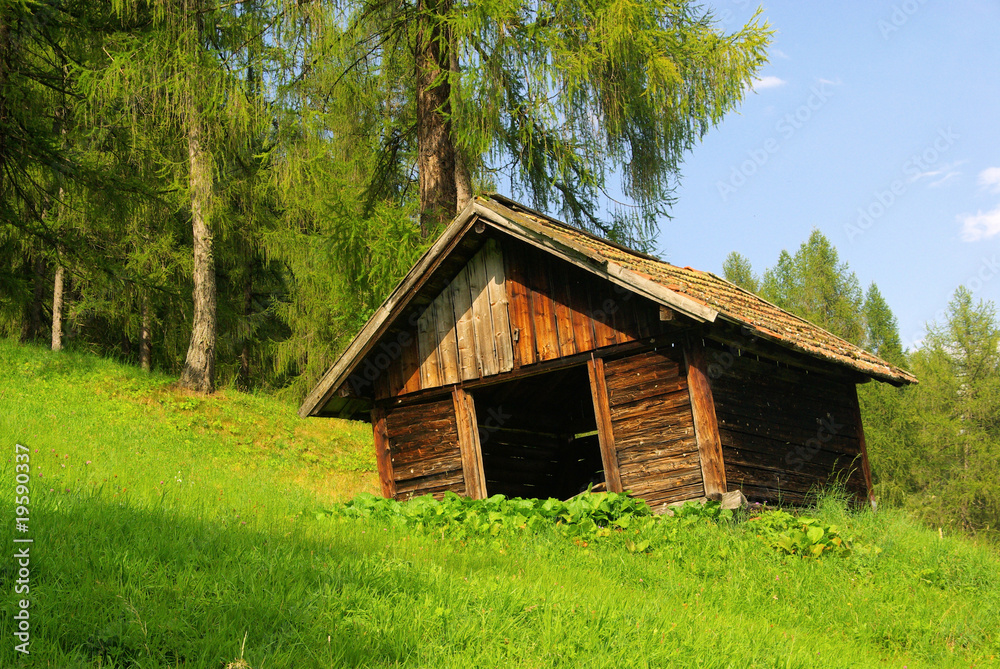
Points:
(559, 96)
(176, 72)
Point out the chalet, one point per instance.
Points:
(525, 357)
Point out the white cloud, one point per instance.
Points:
(990, 179)
(944, 179)
(768, 82)
(830, 82)
(940, 176)
(779, 53)
(979, 225)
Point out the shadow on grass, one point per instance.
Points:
(115, 585)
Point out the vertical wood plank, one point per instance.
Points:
(519, 307)
(395, 370)
(496, 286)
(605, 434)
(383, 454)
(461, 297)
(583, 329)
(706, 425)
(865, 466)
(601, 310)
(626, 328)
(411, 363)
(542, 310)
(468, 443)
(427, 350)
(444, 322)
(559, 280)
(482, 318)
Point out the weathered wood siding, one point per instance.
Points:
(557, 310)
(424, 449)
(652, 427)
(464, 333)
(784, 431)
(508, 307)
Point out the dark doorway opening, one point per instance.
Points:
(538, 435)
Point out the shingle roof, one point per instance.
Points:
(730, 301)
(701, 296)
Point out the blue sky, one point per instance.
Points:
(879, 124)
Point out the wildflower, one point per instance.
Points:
(87, 462)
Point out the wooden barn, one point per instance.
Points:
(522, 356)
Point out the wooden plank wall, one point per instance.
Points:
(424, 449)
(465, 333)
(653, 429)
(557, 310)
(511, 305)
(784, 431)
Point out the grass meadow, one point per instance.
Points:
(172, 530)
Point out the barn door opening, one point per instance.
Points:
(538, 435)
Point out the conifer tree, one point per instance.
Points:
(558, 96)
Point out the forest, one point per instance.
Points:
(225, 191)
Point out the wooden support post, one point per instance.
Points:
(602, 412)
(468, 443)
(706, 425)
(383, 455)
(865, 466)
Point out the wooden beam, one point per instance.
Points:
(865, 465)
(468, 443)
(605, 434)
(383, 454)
(706, 425)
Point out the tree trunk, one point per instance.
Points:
(199, 366)
(436, 151)
(145, 337)
(463, 180)
(57, 308)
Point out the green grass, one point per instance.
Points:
(196, 525)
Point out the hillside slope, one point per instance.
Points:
(171, 530)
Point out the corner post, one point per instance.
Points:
(383, 455)
(706, 424)
(468, 443)
(602, 412)
(865, 466)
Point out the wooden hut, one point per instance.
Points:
(525, 357)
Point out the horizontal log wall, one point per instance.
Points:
(652, 426)
(424, 449)
(785, 432)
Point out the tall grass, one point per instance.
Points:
(192, 539)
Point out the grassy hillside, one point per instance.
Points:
(177, 531)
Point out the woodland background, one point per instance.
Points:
(227, 190)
